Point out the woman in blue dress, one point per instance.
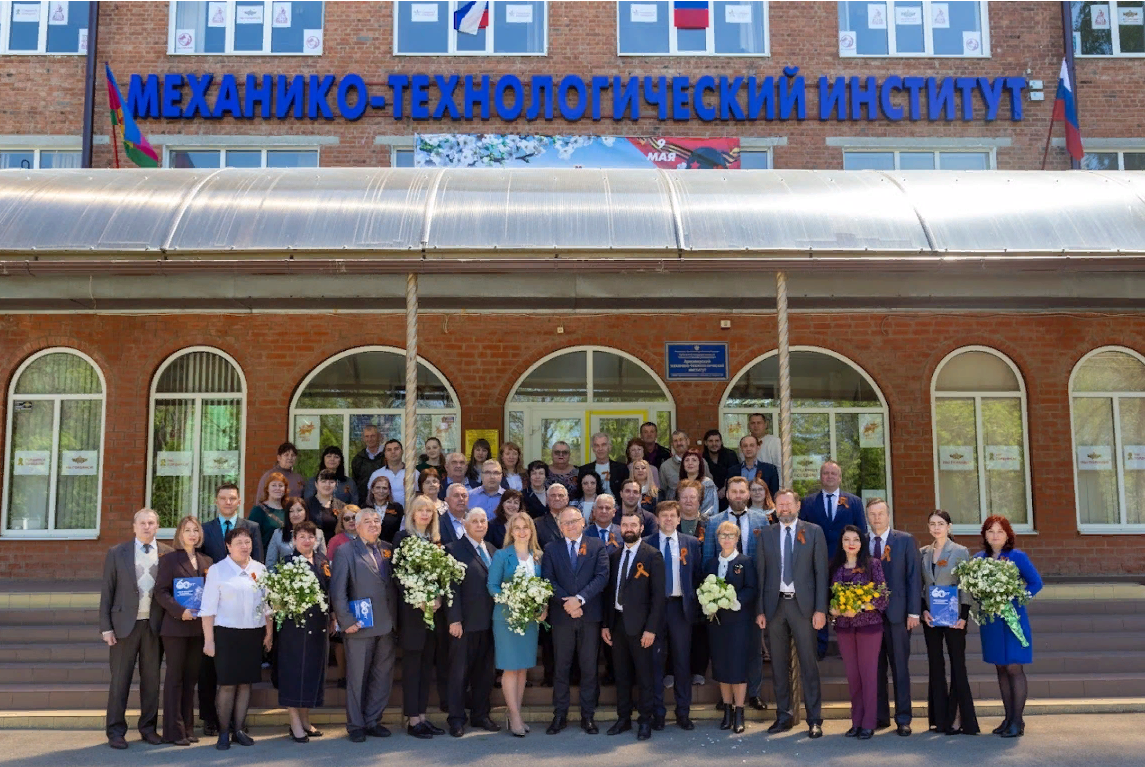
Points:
(515, 654)
(999, 644)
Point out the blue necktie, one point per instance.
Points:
(147, 548)
(484, 556)
(669, 585)
(572, 554)
(788, 555)
(830, 508)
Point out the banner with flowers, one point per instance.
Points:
(492, 150)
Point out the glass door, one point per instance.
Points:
(557, 426)
(620, 427)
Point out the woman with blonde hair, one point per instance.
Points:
(512, 467)
(650, 494)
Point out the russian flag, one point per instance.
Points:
(691, 14)
(1065, 109)
(471, 17)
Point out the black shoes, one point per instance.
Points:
(757, 703)
(456, 730)
(588, 725)
(314, 732)
(210, 729)
(152, 738)
(684, 722)
(657, 723)
(729, 715)
(224, 742)
(357, 736)
(781, 725)
(303, 739)
(851, 732)
(487, 724)
(644, 731)
(815, 731)
(1014, 730)
(882, 724)
(376, 731)
(738, 725)
(865, 734)
(1001, 728)
(118, 742)
(242, 738)
(720, 705)
(419, 731)
(621, 725)
(433, 728)
(903, 730)
(560, 721)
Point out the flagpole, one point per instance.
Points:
(1049, 137)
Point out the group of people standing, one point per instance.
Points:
(625, 553)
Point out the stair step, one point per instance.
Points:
(50, 616)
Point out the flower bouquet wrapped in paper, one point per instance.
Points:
(997, 588)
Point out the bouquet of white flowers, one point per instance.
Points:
(716, 594)
(425, 572)
(523, 599)
(290, 590)
(997, 586)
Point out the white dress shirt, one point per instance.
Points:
(722, 572)
(478, 546)
(786, 588)
(528, 565)
(884, 538)
(674, 561)
(630, 552)
(232, 595)
(744, 528)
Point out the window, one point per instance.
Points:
(198, 401)
(836, 412)
(242, 158)
(53, 471)
(1107, 408)
(914, 159)
(58, 27)
(754, 159)
(246, 27)
(913, 28)
(401, 158)
(367, 386)
(508, 28)
(1109, 29)
(1115, 160)
(29, 159)
(575, 393)
(669, 28)
(978, 402)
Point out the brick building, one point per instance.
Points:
(1019, 392)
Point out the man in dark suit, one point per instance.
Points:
(791, 561)
(603, 525)
(451, 522)
(654, 452)
(898, 552)
(129, 619)
(681, 554)
(832, 509)
(634, 612)
(629, 503)
(611, 473)
(577, 566)
(549, 530)
(471, 662)
(364, 571)
(751, 468)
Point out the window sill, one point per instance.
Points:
(468, 54)
(1109, 55)
(1111, 529)
(43, 53)
(49, 535)
(245, 53)
(976, 530)
(911, 56)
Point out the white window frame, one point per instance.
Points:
(1120, 152)
(51, 533)
(36, 152)
(767, 151)
(230, 35)
(42, 43)
(1120, 527)
(711, 41)
(928, 37)
(451, 49)
(992, 151)
(980, 448)
(1115, 38)
(168, 150)
(197, 421)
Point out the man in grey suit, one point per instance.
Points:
(129, 620)
(792, 564)
(364, 571)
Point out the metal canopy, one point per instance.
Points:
(493, 214)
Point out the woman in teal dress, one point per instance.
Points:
(999, 644)
(515, 654)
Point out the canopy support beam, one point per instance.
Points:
(409, 421)
(795, 678)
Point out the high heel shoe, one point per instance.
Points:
(1001, 728)
(303, 739)
(224, 742)
(729, 715)
(516, 733)
(738, 726)
(1014, 730)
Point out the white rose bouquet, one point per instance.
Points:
(716, 594)
(997, 587)
(523, 599)
(425, 572)
(291, 590)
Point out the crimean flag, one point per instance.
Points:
(135, 144)
(691, 14)
(471, 17)
(1065, 109)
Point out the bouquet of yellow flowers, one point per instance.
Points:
(850, 599)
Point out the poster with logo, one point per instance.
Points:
(940, 15)
(173, 463)
(188, 592)
(423, 13)
(1130, 16)
(871, 430)
(32, 463)
(1099, 16)
(58, 13)
(82, 41)
(464, 150)
(217, 13)
(956, 458)
(312, 40)
(847, 43)
(805, 468)
(876, 15)
(184, 41)
(1094, 458)
(1003, 458)
(1134, 457)
(220, 462)
(281, 15)
(249, 14)
(307, 434)
(737, 14)
(79, 463)
(492, 436)
(26, 12)
(972, 43)
(908, 15)
(518, 13)
(642, 13)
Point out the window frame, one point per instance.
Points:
(1120, 151)
(928, 37)
(1120, 527)
(711, 38)
(36, 152)
(42, 40)
(991, 151)
(1115, 39)
(451, 49)
(766, 151)
(268, 6)
(197, 422)
(51, 533)
(224, 148)
(1026, 528)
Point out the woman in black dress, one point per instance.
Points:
(728, 634)
(303, 644)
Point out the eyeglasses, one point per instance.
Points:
(562, 452)
(729, 536)
(349, 518)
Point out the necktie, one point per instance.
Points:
(377, 557)
(878, 552)
(669, 585)
(147, 548)
(622, 576)
(572, 554)
(788, 554)
(831, 507)
(484, 556)
(226, 528)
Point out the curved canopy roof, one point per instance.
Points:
(340, 213)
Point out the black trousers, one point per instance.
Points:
(576, 639)
(673, 645)
(471, 672)
(140, 647)
(633, 663)
(701, 649)
(184, 655)
(442, 662)
(895, 657)
(545, 640)
(208, 686)
(417, 670)
(945, 704)
(787, 624)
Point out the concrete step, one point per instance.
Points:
(56, 652)
(49, 616)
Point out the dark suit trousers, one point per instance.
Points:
(183, 657)
(785, 625)
(208, 686)
(580, 640)
(943, 706)
(442, 662)
(369, 679)
(545, 639)
(417, 670)
(701, 652)
(471, 672)
(140, 646)
(633, 663)
(895, 655)
(674, 640)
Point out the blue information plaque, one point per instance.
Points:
(944, 605)
(696, 362)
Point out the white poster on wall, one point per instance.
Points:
(871, 430)
(216, 14)
(1130, 17)
(423, 13)
(1099, 16)
(846, 43)
(312, 40)
(1094, 458)
(737, 14)
(173, 463)
(1003, 458)
(908, 15)
(25, 12)
(956, 458)
(972, 43)
(32, 463)
(642, 13)
(58, 13)
(940, 15)
(281, 15)
(216, 462)
(805, 468)
(83, 41)
(79, 463)
(306, 432)
(184, 41)
(518, 13)
(248, 14)
(876, 15)
(1134, 457)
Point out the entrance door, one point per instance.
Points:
(620, 427)
(557, 426)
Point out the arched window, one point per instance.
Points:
(978, 402)
(837, 412)
(366, 386)
(1107, 408)
(198, 429)
(574, 393)
(53, 471)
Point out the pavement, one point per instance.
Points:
(1114, 739)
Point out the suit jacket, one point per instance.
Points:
(472, 603)
(851, 513)
(720, 469)
(613, 541)
(174, 565)
(935, 574)
(214, 544)
(356, 576)
(658, 456)
(691, 570)
(757, 521)
(808, 569)
(119, 596)
(641, 591)
(648, 518)
(904, 579)
(765, 471)
(547, 530)
(445, 528)
(533, 505)
(746, 584)
(617, 473)
(587, 581)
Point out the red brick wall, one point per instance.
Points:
(484, 355)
